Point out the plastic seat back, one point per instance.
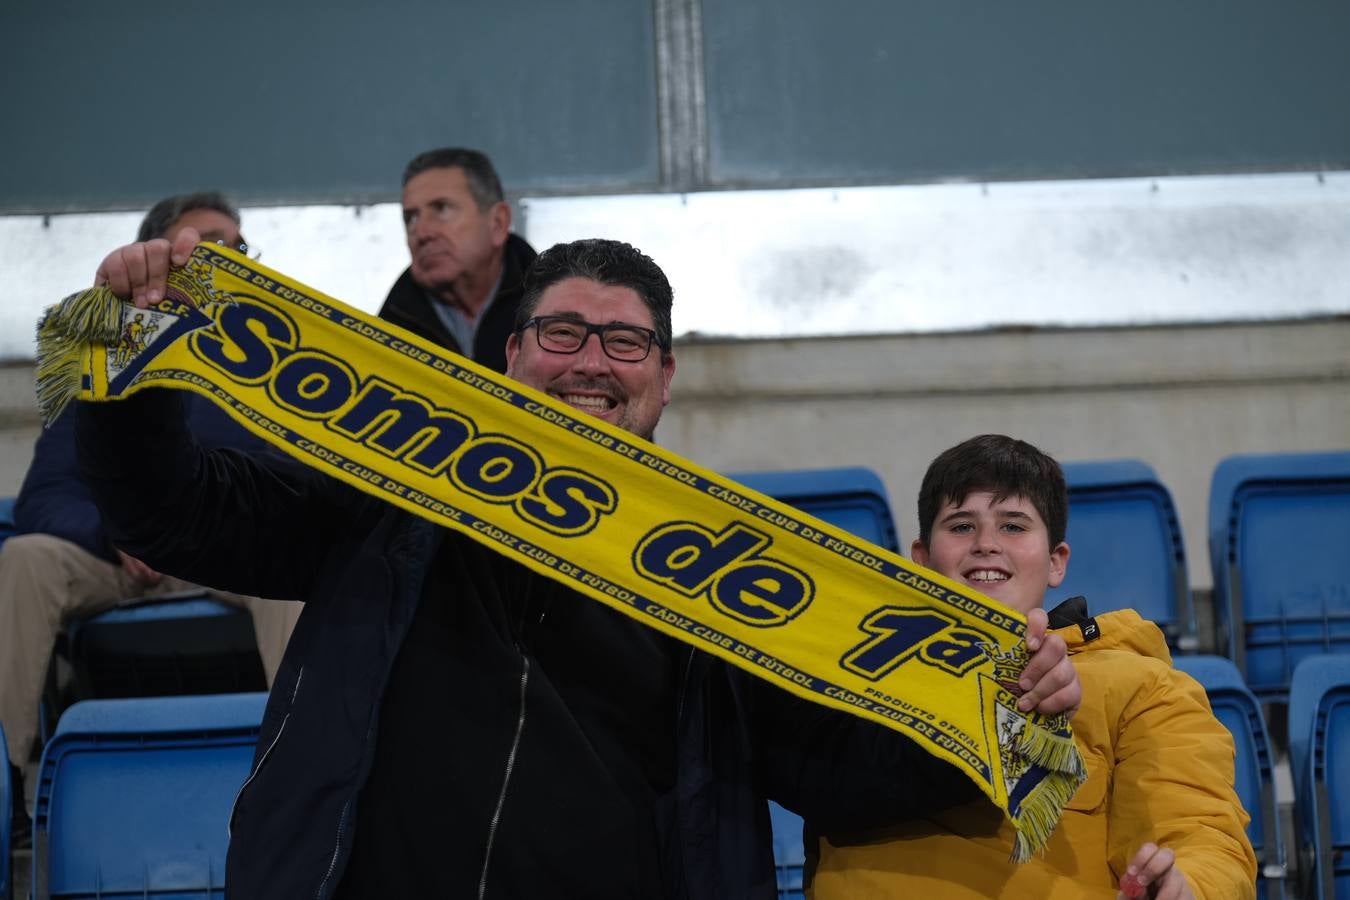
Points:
(134, 796)
(1278, 527)
(1330, 785)
(853, 499)
(1126, 546)
(1314, 676)
(1319, 756)
(167, 645)
(1240, 712)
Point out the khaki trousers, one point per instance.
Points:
(46, 581)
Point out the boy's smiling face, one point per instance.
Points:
(1001, 548)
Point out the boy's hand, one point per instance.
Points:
(138, 272)
(1153, 873)
(1050, 682)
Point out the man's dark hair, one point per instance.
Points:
(608, 262)
(484, 184)
(169, 210)
(1003, 466)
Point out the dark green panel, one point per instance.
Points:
(115, 105)
(840, 91)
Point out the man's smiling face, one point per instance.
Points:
(629, 395)
(1001, 548)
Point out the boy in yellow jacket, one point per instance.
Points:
(1158, 814)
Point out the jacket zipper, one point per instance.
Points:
(262, 760)
(506, 778)
(337, 848)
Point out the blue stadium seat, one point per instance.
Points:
(6, 800)
(171, 644)
(855, 500)
(1319, 753)
(1277, 543)
(1126, 547)
(1313, 677)
(1237, 708)
(168, 645)
(134, 796)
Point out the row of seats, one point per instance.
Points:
(133, 794)
(1319, 760)
(1278, 525)
(1128, 552)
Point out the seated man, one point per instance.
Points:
(1158, 811)
(62, 565)
(448, 722)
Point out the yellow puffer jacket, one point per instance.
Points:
(1160, 768)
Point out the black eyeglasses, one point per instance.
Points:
(242, 247)
(562, 334)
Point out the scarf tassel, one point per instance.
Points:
(64, 333)
(1052, 749)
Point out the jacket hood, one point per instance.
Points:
(1121, 629)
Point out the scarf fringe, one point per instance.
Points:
(1040, 812)
(63, 334)
(1053, 749)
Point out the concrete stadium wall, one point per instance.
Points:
(1178, 397)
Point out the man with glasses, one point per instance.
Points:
(62, 565)
(449, 723)
(464, 283)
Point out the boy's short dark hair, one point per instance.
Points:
(1003, 466)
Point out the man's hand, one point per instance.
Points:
(1049, 681)
(1153, 872)
(138, 272)
(138, 571)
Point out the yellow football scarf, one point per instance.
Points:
(681, 549)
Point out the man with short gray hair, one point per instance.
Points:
(463, 285)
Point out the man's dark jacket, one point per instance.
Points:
(410, 306)
(267, 526)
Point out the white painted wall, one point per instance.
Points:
(870, 260)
